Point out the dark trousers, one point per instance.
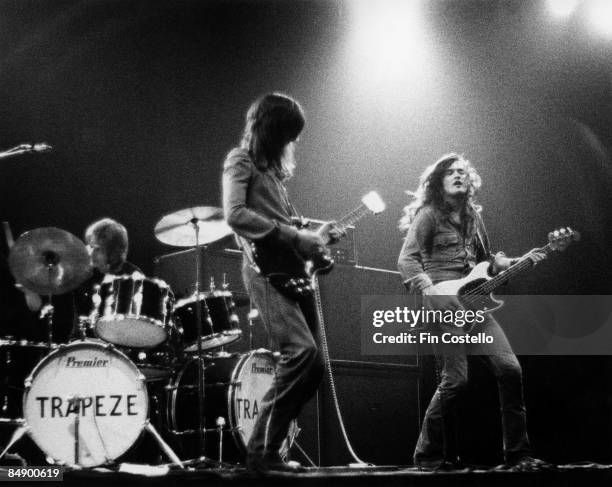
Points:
(437, 433)
(292, 328)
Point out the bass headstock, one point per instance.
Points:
(562, 237)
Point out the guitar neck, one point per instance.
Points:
(526, 263)
(353, 217)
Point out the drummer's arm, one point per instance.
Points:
(32, 299)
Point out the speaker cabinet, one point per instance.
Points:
(381, 411)
(380, 397)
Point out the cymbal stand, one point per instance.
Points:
(47, 311)
(201, 385)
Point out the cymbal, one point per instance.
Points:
(49, 261)
(178, 228)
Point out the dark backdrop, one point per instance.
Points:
(142, 99)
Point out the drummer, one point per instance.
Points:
(107, 244)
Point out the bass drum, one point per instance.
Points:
(85, 404)
(235, 386)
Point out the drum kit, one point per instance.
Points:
(141, 357)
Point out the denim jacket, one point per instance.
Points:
(435, 250)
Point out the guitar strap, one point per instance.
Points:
(482, 241)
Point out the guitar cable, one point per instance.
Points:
(332, 385)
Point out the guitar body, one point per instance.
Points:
(462, 287)
(292, 274)
(287, 270)
(475, 291)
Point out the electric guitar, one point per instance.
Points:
(475, 291)
(288, 271)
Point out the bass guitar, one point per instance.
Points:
(288, 271)
(475, 291)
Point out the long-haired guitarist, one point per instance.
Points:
(445, 239)
(257, 207)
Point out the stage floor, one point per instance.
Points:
(562, 475)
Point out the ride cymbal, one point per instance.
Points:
(179, 228)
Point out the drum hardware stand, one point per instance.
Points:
(220, 425)
(252, 316)
(47, 311)
(147, 426)
(76, 401)
(164, 446)
(22, 429)
(201, 378)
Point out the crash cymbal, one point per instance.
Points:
(178, 228)
(49, 261)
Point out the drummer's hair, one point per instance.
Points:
(272, 121)
(112, 236)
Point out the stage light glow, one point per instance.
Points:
(562, 8)
(600, 15)
(387, 41)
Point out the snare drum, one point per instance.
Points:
(235, 385)
(220, 323)
(132, 310)
(85, 404)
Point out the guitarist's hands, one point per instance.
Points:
(330, 232)
(536, 255)
(309, 243)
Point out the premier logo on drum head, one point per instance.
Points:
(262, 369)
(72, 361)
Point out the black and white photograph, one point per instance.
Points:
(306, 242)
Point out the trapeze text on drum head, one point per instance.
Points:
(101, 405)
(246, 409)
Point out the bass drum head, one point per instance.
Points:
(253, 379)
(235, 386)
(100, 384)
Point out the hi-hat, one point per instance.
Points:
(178, 228)
(49, 261)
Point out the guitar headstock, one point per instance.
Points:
(562, 237)
(374, 202)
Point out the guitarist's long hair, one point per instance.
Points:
(431, 191)
(272, 122)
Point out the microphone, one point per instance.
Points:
(42, 147)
